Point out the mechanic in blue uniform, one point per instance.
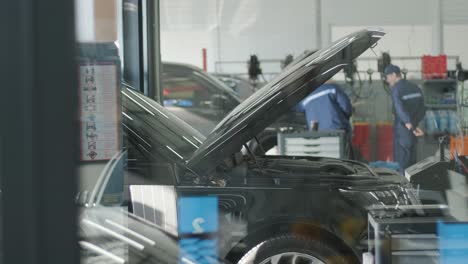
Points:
(331, 108)
(409, 110)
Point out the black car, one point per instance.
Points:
(240, 85)
(272, 209)
(108, 233)
(111, 233)
(196, 97)
(203, 101)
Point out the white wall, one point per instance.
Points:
(271, 29)
(455, 18)
(456, 41)
(379, 13)
(402, 40)
(233, 30)
(186, 46)
(454, 11)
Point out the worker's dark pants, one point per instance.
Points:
(404, 147)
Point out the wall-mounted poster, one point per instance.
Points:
(99, 114)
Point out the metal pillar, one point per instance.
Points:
(318, 23)
(438, 30)
(154, 50)
(38, 134)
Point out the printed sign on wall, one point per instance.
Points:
(198, 227)
(99, 133)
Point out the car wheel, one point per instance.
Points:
(290, 249)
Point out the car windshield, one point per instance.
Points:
(193, 72)
(218, 83)
(156, 130)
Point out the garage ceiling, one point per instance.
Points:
(455, 11)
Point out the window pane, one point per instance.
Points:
(278, 140)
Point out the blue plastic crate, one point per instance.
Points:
(384, 164)
(198, 227)
(453, 242)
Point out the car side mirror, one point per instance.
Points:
(232, 84)
(218, 102)
(81, 198)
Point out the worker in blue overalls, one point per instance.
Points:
(330, 108)
(409, 110)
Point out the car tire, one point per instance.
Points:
(293, 249)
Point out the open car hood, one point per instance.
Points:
(277, 97)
